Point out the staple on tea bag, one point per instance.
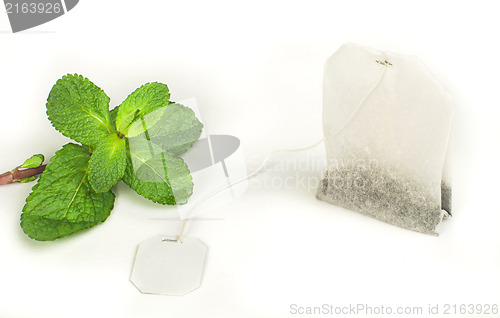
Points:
(392, 121)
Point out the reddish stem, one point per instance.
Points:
(13, 176)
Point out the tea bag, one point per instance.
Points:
(387, 126)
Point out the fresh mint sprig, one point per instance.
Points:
(138, 142)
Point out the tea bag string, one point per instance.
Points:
(384, 63)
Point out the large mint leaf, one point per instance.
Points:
(79, 110)
(63, 202)
(143, 101)
(176, 130)
(45, 229)
(157, 176)
(107, 163)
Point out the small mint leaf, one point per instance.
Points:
(142, 101)
(112, 117)
(107, 164)
(28, 179)
(34, 162)
(63, 202)
(79, 110)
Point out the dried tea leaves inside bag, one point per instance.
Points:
(391, 121)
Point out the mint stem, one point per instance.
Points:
(17, 175)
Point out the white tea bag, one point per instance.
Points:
(387, 123)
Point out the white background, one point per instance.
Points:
(255, 68)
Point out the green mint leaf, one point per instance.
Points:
(157, 176)
(112, 116)
(34, 162)
(107, 163)
(45, 229)
(177, 130)
(141, 102)
(142, 124)
(79, 110)
(28, 179)
(63, 202)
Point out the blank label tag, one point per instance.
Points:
(167, 267)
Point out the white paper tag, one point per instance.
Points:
(167, 267)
